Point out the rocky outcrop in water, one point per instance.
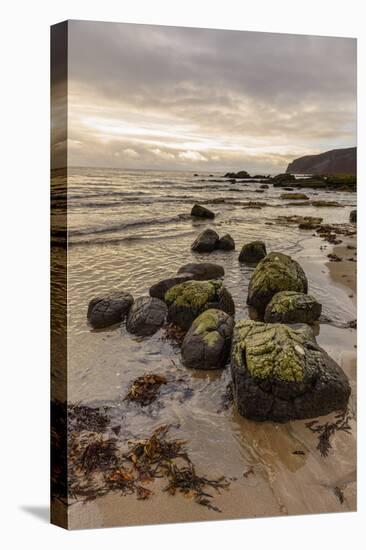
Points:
(206, 241)
(275, 273)
(336, 161)
(292, 307)
(280, 374)
(242, 174)
(188, 300)
(105, 311)
(207, 342)
(146, 316)
(203, 271)
(199, 211)
(253, 252)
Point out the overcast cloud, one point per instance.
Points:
(177, 98)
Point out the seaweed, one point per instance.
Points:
(145, 389)
(82, 417)
(326, 431)
(175, 333)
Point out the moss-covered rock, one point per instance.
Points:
(207, 342)
(188, 300)
(275, 273)
(253, 252)
(280, 373)
(292, 307)
(206, 241)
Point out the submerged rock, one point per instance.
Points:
(207, 343)
(159, 289)
(188, 300)
(109, 310)
(206, 241)
(226, 243)
(275, 273)
(146, 316)
(353, 216)
(201, 212)
(253, 252)
(202, 271)
(280, 373)
(292, 307)
(242, 174)
(294, 196)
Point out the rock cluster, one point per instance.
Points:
(209, 240)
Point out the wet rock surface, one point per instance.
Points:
(253, 252)
(206, 241)
(292, 307)
(199, 211)
(280, 373)
(202, 271)
(226, 243)
(146, 316)
(159, 289)
(207, 342)
(275, 273)
(188, 300)
(105, 311)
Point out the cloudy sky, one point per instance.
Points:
(144, 96)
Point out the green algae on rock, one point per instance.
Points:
(207, 343)
(292, 307)
(189, 299)
(280, 373)
(275, 273)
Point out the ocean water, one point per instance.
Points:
(129, 229)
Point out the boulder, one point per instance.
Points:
(146, 316)
(201, 212)
(226, 243)
(294, 196)
(159, 289)
(292, 307)
(207, 343)
(353, 216)
(105, 311)
(188, 300)
(275, 273)
(206, 241)
(202, 271)
(253, 252)
(282, 179)
(280, 373)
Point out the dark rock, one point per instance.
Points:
(201, 212)
(280, 374)
(275, 273)
(105, 311)
(264, 186)
(353, 216)
(202, 271)
(292, 307)
(159, 289)
(206, 241)
(294, 196)
(326, 204)
(146, 316)
(188, 300)
(253, 252)
(281, 179)
(241, 174)
(226, 243)
(207, 343)
(336, 161)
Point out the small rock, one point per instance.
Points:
(202, 271)
(294, 196)
(226, 243)
(201, 212)
(206, 241)
(353, 216)
(146, 316)
(253, 252)
(108, 310)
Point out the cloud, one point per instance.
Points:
(130, 153)
(218, 99)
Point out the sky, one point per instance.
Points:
(171, 98)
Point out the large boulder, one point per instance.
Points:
(188, 300)
(275, 273)
(253, 252)
(199, 211)
(146, 316)
(202, 271)
(159, 289)
(105, 311)
(207, 343)
(292, 307)
(280, 373)
(226, 243)
(206, 241)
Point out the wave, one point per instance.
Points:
(124, 226)
(132, 238)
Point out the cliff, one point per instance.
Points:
(337, 161)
